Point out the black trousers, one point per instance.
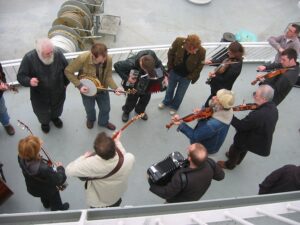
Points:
(52, 201)
(235, 156)
(136, 101)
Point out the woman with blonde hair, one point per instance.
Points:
(41, 179)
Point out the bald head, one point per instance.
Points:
(197, 154)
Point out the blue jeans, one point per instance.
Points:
(103, 103)
(4, 117)
(182, 84)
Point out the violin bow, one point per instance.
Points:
(217, 64)
(133, 119)
(23, 127)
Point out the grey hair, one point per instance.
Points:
(266, 92)
(41, 43)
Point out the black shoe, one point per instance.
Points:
(45, 128)
(46, 205)
(125, 117)
(145, 116)
(57, 122)
(65, 206)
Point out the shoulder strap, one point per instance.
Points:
(117, 167)
(184, 181)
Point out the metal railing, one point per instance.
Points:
(254, 52)
(262, 209)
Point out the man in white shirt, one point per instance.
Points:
(105, 171)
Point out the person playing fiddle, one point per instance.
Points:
(254, 133)
(211, 132)
(42, 180)
(228, 70)
(283, 83)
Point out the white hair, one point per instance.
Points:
(40, 46)
(266, 91)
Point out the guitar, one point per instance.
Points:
(133, 119)
(48, 160)
(121, 157)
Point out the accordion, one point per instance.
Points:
(161, 173)
(145, 83)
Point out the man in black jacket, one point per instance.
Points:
(284, 179)
(254, 133)
(283, 83)
(132, 71)
(42, 69)
(190, 183)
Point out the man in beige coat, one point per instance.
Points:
(106, 178)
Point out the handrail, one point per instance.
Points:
(254, 52)
(243, 210)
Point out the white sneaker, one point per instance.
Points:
(172, 112)
(161, 105)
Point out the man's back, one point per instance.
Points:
(284, 179)
(197, 182)
(102, 192)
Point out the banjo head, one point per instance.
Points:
(90, 85)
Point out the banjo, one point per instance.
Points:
(94, 86)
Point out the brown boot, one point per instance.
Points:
(89, 124)
(9, 129)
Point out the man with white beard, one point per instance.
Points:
(42, 69)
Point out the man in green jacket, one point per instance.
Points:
(185, 62)
(95, 64)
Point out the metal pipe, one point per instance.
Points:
(276, 217)
(236, 218)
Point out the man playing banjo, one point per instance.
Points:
(96, 66)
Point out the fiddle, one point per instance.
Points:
(207, 112)
(202, 114)
(48, 160)
(221, 68)
(271, 74)
(243, 107)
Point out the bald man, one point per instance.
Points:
(190, 183)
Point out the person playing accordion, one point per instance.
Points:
(143, 74)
